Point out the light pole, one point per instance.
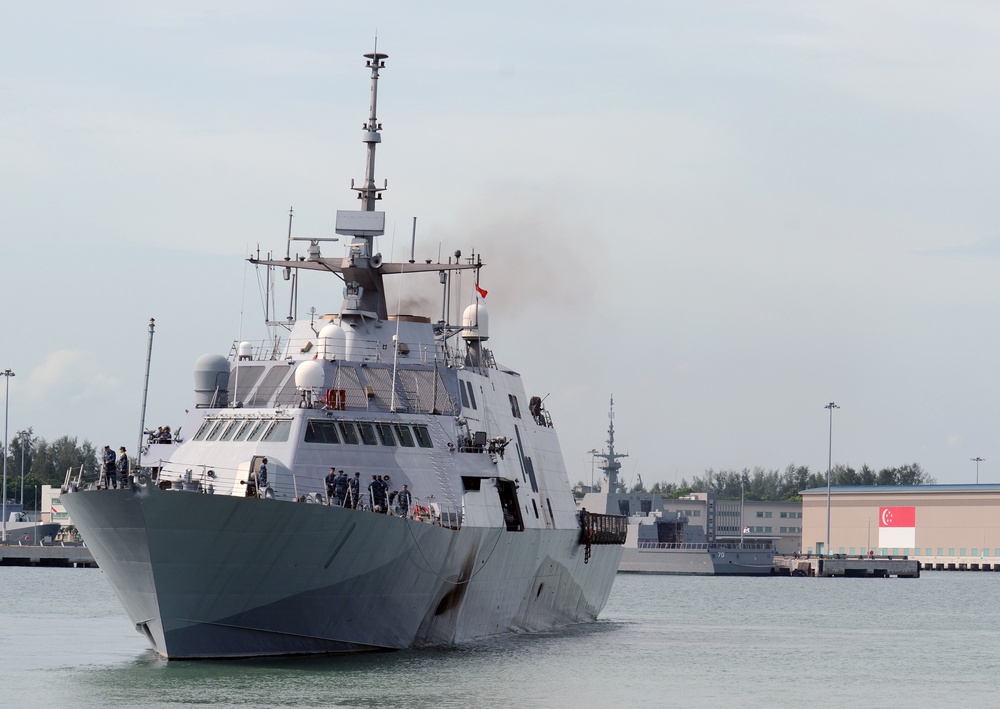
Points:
(742, 523)
(829, 464)
(977, 460)
(23, 435)
(6, 415)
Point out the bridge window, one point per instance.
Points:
(278, 431)
(203, 431)
(243, 430)
(231, 430)
(385, 434)
(367, 434)
(349, 433)
(318, 431)
(405, 437)
(257, 431)
(423, 437)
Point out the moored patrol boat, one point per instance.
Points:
(662, 541)
(210, 561)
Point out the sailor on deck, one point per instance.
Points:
(331, 483)
(109, 468)
(403, 500)
(354, 485)
(262, 474)
(123, 468)
(340, 484)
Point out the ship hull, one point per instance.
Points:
(214, 576)
(31, 533)
(697, 561)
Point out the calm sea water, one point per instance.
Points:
(663, 641)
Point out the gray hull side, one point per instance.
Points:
(216, 576)
(698, 562)
(30, 533)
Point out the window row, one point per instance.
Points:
(763, 514)
(244, 430)
(369, 433)
(317, 431)
(790, 530)
(791, 515)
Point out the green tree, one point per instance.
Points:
(52, 460)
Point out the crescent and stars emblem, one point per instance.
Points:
(886, 517)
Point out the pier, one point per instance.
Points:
(52, 555)
(842, 565)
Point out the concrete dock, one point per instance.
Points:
(841, 565)
(56, 554)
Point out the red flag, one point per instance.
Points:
(897, 517)
(481, 291)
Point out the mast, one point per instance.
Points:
(145, 393)
(609, 464)
(361, 269)
(368, 193)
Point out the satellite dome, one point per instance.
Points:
(309, 375)
(476, 323)
(332, 342)
(211, 381)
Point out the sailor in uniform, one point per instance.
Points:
(331, 485)
(340, 487)
(109, 468)
(262, 474)
(403, 500)
(123, 468)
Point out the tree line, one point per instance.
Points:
(775, 485)
(45, 463)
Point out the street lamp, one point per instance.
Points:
(829, 464)
(6, 415)
(24, 436)
(977, 460)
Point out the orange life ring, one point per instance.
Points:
(336, 399)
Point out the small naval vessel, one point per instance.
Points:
(660, 541)
(231, 544)
(20, 529)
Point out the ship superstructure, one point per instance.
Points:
(662, 541)
(210, 560)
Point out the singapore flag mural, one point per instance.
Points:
(897, 527)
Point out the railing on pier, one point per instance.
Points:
(703, 545)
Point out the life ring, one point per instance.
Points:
(420, 510)
(336, 399)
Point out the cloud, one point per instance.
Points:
(73, 375)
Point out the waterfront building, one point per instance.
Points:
(942, 526)
(729, 521)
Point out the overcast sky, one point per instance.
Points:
(724, 214)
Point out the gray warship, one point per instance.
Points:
(228, 543)
(661, 541)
